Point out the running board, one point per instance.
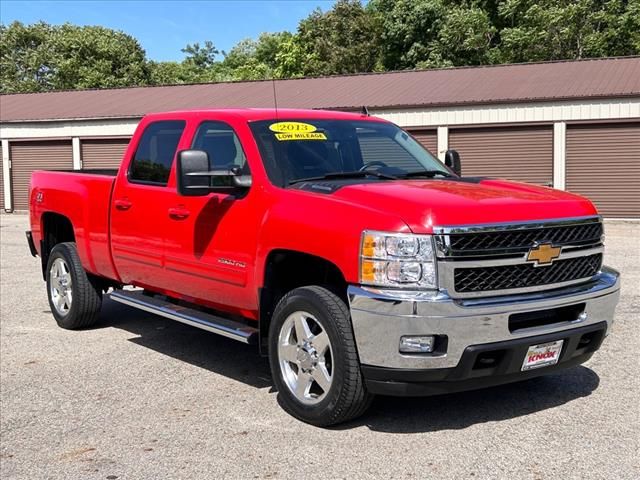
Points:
(206, 321)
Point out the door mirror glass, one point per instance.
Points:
(452, 160)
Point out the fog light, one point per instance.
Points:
(417, 344)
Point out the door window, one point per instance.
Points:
(223, 146)
(156, 150)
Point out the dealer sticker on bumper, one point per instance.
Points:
(542, 355)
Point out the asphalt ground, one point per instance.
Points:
(141, 397)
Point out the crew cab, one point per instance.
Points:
(353, 258)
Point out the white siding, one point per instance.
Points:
(69, 128)
(605, 109)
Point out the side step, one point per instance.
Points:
(206, 321)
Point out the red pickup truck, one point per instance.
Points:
(357, 261)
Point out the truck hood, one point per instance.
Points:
(423, 204)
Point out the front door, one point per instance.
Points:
(211, 241)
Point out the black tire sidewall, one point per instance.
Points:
(61, 252)
(77, 315)
(303, 299)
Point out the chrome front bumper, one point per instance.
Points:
(381, 317)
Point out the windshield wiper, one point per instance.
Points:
(428, 173)
(339, 175)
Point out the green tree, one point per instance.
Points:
(43, 57)
(27, 62)
(563, 29)
(436, 33)
(409, 29)
(256, 59)
(201, 57)
(346, 39)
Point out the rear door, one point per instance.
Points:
(139, 205)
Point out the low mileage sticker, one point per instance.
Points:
(301, 136)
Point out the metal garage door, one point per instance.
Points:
(428, 138)
(603, 164)
(29, 156)
(517, 153)
(103, 153)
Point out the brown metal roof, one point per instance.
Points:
(583, 79)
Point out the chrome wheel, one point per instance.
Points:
(305, 357)
(60, 286)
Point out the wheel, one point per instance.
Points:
(313, 357)
(74, 298)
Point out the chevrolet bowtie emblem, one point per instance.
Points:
(543, 254)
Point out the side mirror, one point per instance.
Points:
(195, 178)
(188, 163)
(452, 160)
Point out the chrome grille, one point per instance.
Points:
(481, 260)
(525, 275)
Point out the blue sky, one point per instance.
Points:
(164, 27)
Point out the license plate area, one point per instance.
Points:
(542, 355)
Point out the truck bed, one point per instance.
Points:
(84, 197)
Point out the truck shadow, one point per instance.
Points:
(212, 352)
(242, 363)
(461, 410)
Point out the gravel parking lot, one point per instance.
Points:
(143, 397)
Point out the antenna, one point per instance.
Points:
(365, 111)
(275, 97)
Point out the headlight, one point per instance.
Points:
(397, 260)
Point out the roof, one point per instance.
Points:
(257, 114)
(532, 82)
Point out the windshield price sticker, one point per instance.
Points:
(292, 127)
(296, 131)
(301, 136)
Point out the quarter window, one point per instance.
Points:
(156, 150)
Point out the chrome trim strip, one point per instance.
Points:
(443, 251)
(508, 226)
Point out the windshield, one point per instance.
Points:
(309, 149)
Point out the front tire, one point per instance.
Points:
(313, 357)
(75, 298)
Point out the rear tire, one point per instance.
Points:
(74, 297)
(313, 357)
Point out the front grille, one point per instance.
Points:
(520, 241)
(525, 275)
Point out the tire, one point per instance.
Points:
(317, 373)
(74, 297)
